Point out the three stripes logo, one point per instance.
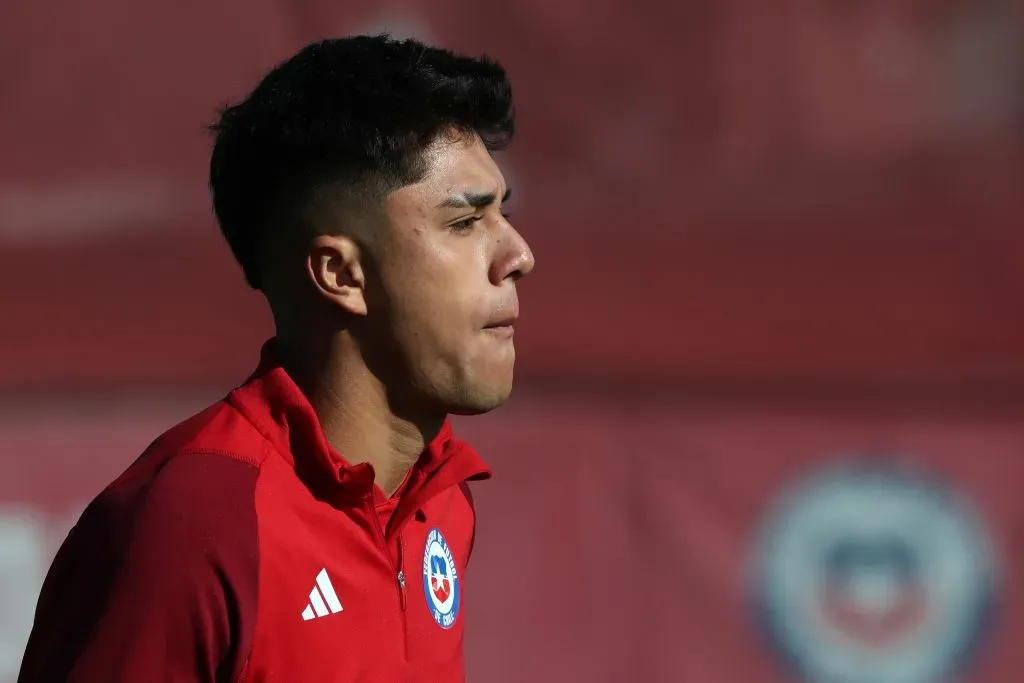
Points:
(323, 601)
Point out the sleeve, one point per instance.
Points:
(157, 582)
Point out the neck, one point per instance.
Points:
(355, 414)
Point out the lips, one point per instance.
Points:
(508, 321)
(503, 326)
(502, 321)
(501, 331)
(504, 317)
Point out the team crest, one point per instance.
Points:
(874, 576)
(440, 580)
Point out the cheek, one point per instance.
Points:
(434, 306)
(438, 296)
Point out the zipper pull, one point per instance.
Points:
(401, 588)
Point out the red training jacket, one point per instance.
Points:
(241, 547)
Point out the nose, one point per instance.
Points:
(514, 258)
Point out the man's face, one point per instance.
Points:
(447, 266)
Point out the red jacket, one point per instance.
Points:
(241, 547)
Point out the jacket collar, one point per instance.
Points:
(278, 409)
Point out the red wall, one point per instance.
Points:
(800, 192)
(772, 238)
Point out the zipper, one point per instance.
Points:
(397, 571)
(401, 571)
(402, 595)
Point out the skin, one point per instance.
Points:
(406, 312)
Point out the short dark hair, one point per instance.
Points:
(355, 112)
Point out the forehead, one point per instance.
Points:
(455, 165)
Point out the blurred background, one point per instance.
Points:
(768, 423)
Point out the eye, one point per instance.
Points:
(465, 225)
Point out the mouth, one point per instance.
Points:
(503, 327)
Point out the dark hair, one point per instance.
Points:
(355, 112)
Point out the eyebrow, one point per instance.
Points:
(473, 200)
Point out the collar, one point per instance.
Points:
(278, 409)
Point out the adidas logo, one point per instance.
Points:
(322, 599)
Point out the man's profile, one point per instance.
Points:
(316, 524)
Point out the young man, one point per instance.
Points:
(316, 524)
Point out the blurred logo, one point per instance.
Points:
(874, 576)
(440, 580)
(24, 555)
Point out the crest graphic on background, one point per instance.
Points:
(874, 575)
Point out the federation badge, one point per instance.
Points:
(874, 576)
(440, 580)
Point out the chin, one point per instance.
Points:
(480, 400)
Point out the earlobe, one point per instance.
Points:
(333, 265)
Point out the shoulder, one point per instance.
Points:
(178, 505)
(187, 502)
(219, 429)
(197, 477)
(188, 512)
(160, 572)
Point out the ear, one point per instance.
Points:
(333, 265)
